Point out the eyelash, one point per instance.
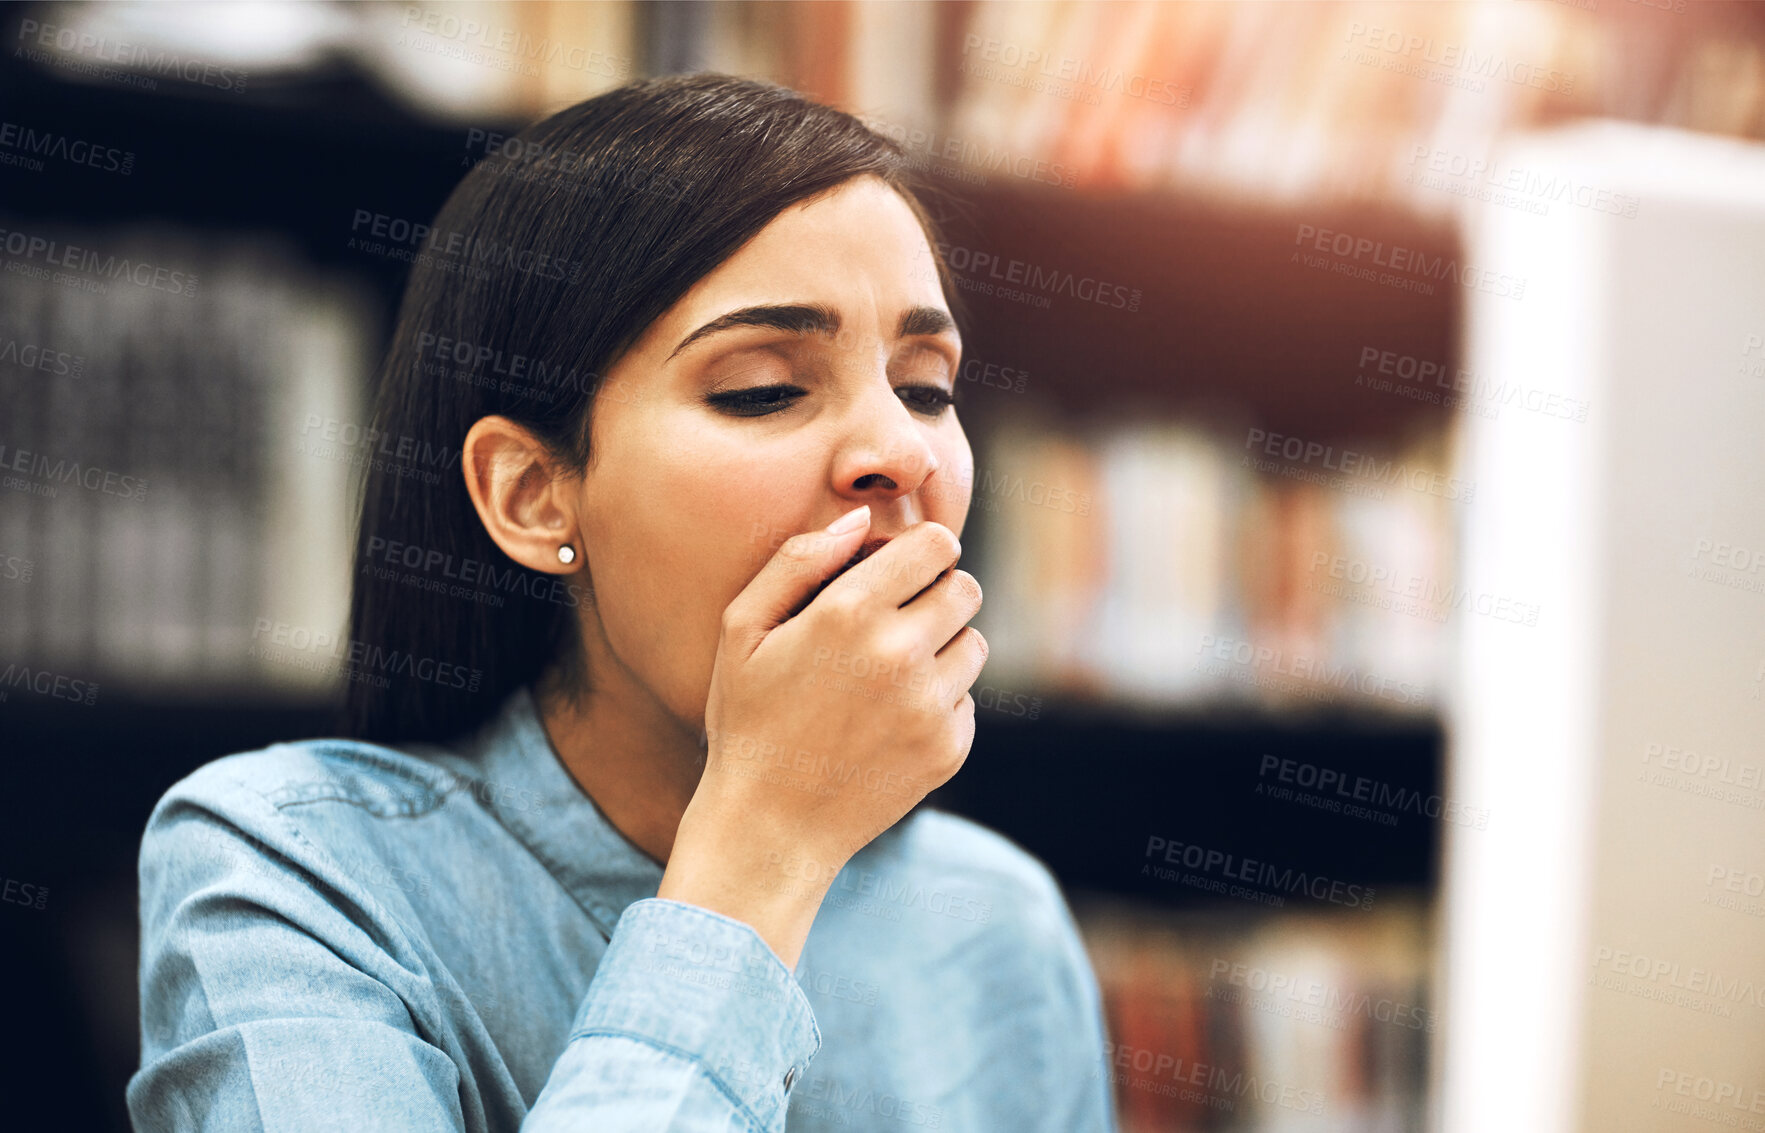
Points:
(761, 401)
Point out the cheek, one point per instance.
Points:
(733, 508)
(949, 504)
(681, 529)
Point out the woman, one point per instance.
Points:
(643, 699)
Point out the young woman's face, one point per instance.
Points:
(810, 373)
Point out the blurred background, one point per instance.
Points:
(1367, 404)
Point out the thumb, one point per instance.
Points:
(791, 577)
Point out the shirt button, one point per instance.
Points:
(790, 1078)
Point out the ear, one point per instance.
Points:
(524, 497)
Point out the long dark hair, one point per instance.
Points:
(546, 263)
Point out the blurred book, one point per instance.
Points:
(1154, 565)
(1277, 1021)
(159, 404)
(1344, 101)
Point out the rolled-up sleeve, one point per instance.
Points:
(692, 1023)
(277, 996)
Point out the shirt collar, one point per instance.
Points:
(520, 779)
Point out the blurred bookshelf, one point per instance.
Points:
(1181, 612)
(1106, 620)
(1303, 1021)
(1170, 608)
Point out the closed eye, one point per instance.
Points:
(930, 400)
(759, 401)
(756, 401)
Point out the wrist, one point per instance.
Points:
(740, 872)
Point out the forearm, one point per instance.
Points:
(751, 875)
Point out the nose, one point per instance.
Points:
(885, 454)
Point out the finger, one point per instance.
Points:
(940, 611)
(958, 665)
(909, 563)
(793, 573)
(961, 740)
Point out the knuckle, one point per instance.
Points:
(943, 540)
(800, 546)
(966, 587)
(899, 648)
(844, 602)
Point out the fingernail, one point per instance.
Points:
(851, 521)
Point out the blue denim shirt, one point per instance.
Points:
(339, 935)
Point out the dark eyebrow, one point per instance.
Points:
(812, 318)
(798, 318)
(925, 320)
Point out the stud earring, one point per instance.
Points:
(566, 553)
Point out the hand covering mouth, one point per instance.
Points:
(865, 550)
